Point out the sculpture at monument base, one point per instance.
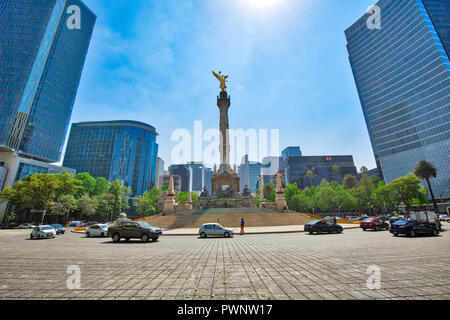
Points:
(280, 203)
(170, 205)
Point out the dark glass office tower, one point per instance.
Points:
(439, 12)
(115, 150)
(402, 73)
(41, 60)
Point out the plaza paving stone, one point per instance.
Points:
(294, 266)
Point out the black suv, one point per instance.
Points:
(134, 230)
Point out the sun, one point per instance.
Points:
(261, 3)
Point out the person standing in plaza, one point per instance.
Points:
(242, 226)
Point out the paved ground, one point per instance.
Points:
(271, 266)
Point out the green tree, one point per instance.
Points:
(269, 192)
(325, 198)
(290, 191)
(350, 181)
(43, 189)
(68, 184)
(151, 203)
(344, 199)
(101, 186)
(182, 198)
(300, 203)
(87, 184)
(422, 197)
(64, 205)
(363, 193)
(105, 205)
(86, 205)
(425, 170)
(121, 196)
(385, 196)
(408, 188)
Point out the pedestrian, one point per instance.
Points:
(242, 226)
(334, 220)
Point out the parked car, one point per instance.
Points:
(76, 224)
(413, 228)
(97, 230)
(26, 226)
(374, 224)
(393, 219)
(214, 230)
(91, 223)
(443, 217)
(134, 230)
(363, 218)
(59, 228)
(321, 226)
(43, 232)
(384, 218)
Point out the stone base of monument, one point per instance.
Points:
(280, 204)
(171, 208)
(225, 183)
(235, 202)
(169, 205)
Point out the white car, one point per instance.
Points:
(97, 230)
(214, 230)
(26, 226)
(43, 232)
(443, 217)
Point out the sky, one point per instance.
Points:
(151, 61)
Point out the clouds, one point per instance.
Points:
(151, 61)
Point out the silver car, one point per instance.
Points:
(97, 230)
(214, 230)
(43, 232)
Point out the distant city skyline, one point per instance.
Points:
(289, 70)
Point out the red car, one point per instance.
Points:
(374, 224)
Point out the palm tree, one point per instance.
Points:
(310, 175)
(336, 171)
(364, 171)
(425, 170)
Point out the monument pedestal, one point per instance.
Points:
(225, 182)
(281, 203)
(169, 205)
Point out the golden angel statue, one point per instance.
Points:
(222, 79)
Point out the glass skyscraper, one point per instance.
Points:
(402, 73)
(41, 60)
(115, 150)
(248, 172)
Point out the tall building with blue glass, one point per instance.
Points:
(115, 150)
(41, 59)
(402, 74)
(43, 47)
